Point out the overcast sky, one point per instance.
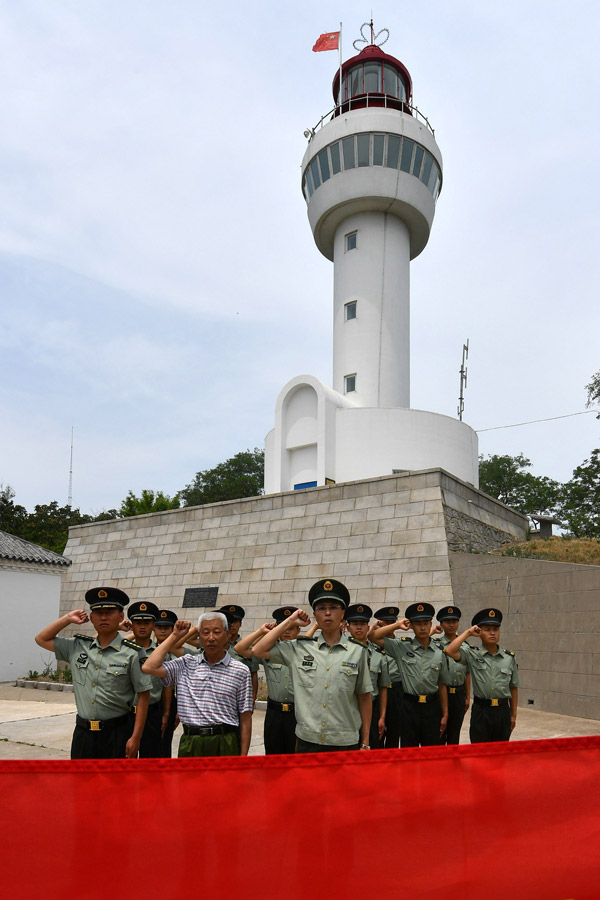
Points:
(159, 282)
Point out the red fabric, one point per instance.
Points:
(486, 821)
(327, 41)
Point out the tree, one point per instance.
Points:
(240, 476)
(48, 525)
(580, 498)
(593, 392)
(505, 478)
(147, 502)
(13, 517)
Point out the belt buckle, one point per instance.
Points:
(452, 690)
(494, 701)
(94, 725)
(422, 698)
(285, 707)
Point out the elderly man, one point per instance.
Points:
(214, 691)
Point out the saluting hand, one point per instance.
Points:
(181, 627)
(436, 629)
(474, 630)
(403, 624)
(77, 617)
(299, 617)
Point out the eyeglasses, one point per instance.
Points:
(327, 608)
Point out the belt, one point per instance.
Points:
(459, 689)
(280, 707)
(422, 698)
(100, 725)
(208, 730)
(492, 701)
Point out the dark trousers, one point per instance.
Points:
(373, 731)
(150, 743)
(279, 731)
(212, 745)
(109, 743)
(489, 723)
(393, 716)
(306, 747)
(456, 714)
(421, 722)
(166, 742)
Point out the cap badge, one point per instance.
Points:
(287, 612)
(328, 586)
(232, 609)
(492, 613)
(143, 607)
(360, 609)
(391, 611)
(420, 607)
(450, 610)
(102, 595)
(163, 614)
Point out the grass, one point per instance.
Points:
(585, 551)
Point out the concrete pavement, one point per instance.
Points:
(39, 724)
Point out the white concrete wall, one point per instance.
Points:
(376, 344)
(29, 600)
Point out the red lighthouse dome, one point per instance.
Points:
(373, 78)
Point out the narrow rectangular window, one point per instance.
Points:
(324, 165)
(393, 151)
(348, 149)
(427, 168)
(407, 151)
(351, 241)
(418, 160)
(350, 310)
(364, 144)
(314, 168)
(349, 383)
(378, 141)
(336, 165)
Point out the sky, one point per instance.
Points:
(159, 283)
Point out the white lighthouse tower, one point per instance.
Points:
(371, 176)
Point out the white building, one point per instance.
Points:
(371, 176)
(30, 580)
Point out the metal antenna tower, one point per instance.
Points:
(70, 498)
(463, 380)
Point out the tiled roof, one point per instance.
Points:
(12, 547)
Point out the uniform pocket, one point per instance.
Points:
(348, 679)
(307, 676)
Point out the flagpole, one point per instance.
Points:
(340, 49)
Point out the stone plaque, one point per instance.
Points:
(201, 596)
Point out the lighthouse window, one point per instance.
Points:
(390, 81)
(349, 383)
(407, 151)
(393, 151)
(427, 168)
(348, 148)
(373, 78)
(350, 310)
(378, 142)
(309, 182)
(351, 241)
(324, 165)
(314, 168)
(336, 163)
(418, 160)
(364, 144)
(356, 78)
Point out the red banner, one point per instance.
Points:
(484, 821)
(327, 41)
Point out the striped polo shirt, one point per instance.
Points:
(209, 694)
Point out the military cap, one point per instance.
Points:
(387, 614)
(283, 613)
(487, 617)
(106, 598)
(359, 612)
(166, 617)
(143, 610)
(419, 612)
(448, 612)
(232, 612)
(329, 589)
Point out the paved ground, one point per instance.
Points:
(38, 725)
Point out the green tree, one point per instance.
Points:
(506, 478)
(580, 499)
(240, 476)
(13, 518)
(593, 392)
(48, 525)
(147, 502)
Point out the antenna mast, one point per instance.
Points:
(463, 381)
(70, 498)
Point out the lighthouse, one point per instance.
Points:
(371, 177)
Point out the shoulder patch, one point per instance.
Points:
(352, 640)
(305, 637)
(406, 639)
(510, 652)
(132, 644)
(84, 637)
(377, 648)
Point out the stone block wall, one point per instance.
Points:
(385, 538)
(551, 620)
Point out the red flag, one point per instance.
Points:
(327, 41)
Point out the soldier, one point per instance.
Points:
(234, 615)
(358, 617)
(495, 677)
(163, 627)
(454, 675)
(425, 700)
(106, 676)
(280, 718)
(330, 674)
(393, 714)
(143, 616)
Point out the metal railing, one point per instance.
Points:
(378, 101)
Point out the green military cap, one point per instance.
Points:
(232, 612)
(329, 589)
(448, 612)
(487, 617)
(283, 613)
(142, 611)
(106, 598)
(166, 617)
(419, 612)
(359, 612)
